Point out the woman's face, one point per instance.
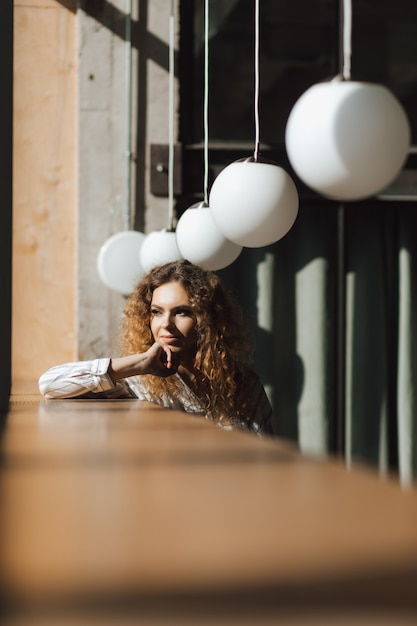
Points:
(173, 321)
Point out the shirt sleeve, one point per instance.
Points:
(82, 379)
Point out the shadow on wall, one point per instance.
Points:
(278, 359)
(71, 5)
(151, 48)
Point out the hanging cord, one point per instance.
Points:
(206, 114)
(171, 119)
(256, 151)
(128, 151)
(347, 39)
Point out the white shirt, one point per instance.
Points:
(90, 379)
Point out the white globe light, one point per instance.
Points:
(347, 140)
(159, 247)
(254, 203)
(201, 242)
(118, 262)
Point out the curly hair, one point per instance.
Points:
(223, 353)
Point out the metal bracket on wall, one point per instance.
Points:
(403, 188)
(159, 170)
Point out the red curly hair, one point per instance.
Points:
(223, 353)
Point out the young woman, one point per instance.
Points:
(184, 347)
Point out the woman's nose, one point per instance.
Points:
(166, 320)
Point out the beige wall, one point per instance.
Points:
(70, 124)
(44, 186)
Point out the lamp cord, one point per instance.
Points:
(171, 119)
(128, 151)
(347, 39)
(206, 114)
(256, 151)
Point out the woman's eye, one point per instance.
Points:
(155, 312)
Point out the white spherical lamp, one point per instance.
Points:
(201, 242)
(347, 140)
(118, 262)
(254, 202)
(159, 247)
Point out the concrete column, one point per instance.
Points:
(103, 172)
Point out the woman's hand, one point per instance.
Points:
(160, 360)
(157, 360)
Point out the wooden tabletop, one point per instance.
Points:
(115, 505)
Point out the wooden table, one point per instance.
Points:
(125, 513)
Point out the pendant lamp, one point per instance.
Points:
(118, 265)
(160, 247)
(347, 139)
(254, 202)
(198, 237)
(201, 242)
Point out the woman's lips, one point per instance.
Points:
(170, 339)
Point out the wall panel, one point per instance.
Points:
(44, 186)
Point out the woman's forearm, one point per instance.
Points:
(157, 360)
(72, 380)
(126, 366)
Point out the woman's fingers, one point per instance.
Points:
(168, 361)
(163, 359)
